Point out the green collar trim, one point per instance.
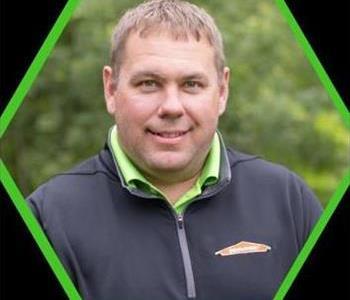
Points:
(128, 169)
(133, 178)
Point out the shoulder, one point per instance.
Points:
(256, 167)
(73, 187)
(99, 165)
(82, 172)
(277, 188)
(256, 171)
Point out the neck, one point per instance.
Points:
(174, 190)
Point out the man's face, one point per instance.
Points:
(166, 104)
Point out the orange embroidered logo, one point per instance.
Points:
(243, 248)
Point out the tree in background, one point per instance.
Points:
(277, 106)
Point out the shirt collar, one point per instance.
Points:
(134, 178)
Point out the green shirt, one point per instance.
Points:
(135, 179)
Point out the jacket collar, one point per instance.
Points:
(228, 160)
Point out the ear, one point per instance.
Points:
(109, 89)
(224, 90)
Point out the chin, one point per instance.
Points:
(169, 163)
(169, 167)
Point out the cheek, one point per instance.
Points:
(134, 104)
(132, 115)
(205, 111)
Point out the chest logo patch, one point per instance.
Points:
(243, 247)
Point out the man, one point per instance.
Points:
(165, 211)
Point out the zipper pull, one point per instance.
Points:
(180, 220)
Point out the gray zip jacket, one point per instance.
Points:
(119, 243)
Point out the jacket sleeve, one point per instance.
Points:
(36, 202)
(307, 210)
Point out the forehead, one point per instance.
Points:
(162, 52)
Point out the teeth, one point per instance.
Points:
(169, 135)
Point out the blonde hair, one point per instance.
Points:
(180, 19)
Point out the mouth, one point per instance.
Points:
(168, 134)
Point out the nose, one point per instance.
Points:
(171, 107)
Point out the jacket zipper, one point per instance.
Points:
(191, 288)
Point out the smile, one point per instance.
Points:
(169, 134)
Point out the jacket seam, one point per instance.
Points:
(235, 163)
(92, 173)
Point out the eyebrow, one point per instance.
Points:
(158, 76)
(146, 74)
(198, 76)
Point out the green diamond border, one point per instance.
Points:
(344, 184)
(7, 180)
(32, 223)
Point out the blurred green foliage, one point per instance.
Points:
(277, 108)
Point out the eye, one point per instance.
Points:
(192, 86)
(148, 85)
(191, 83)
